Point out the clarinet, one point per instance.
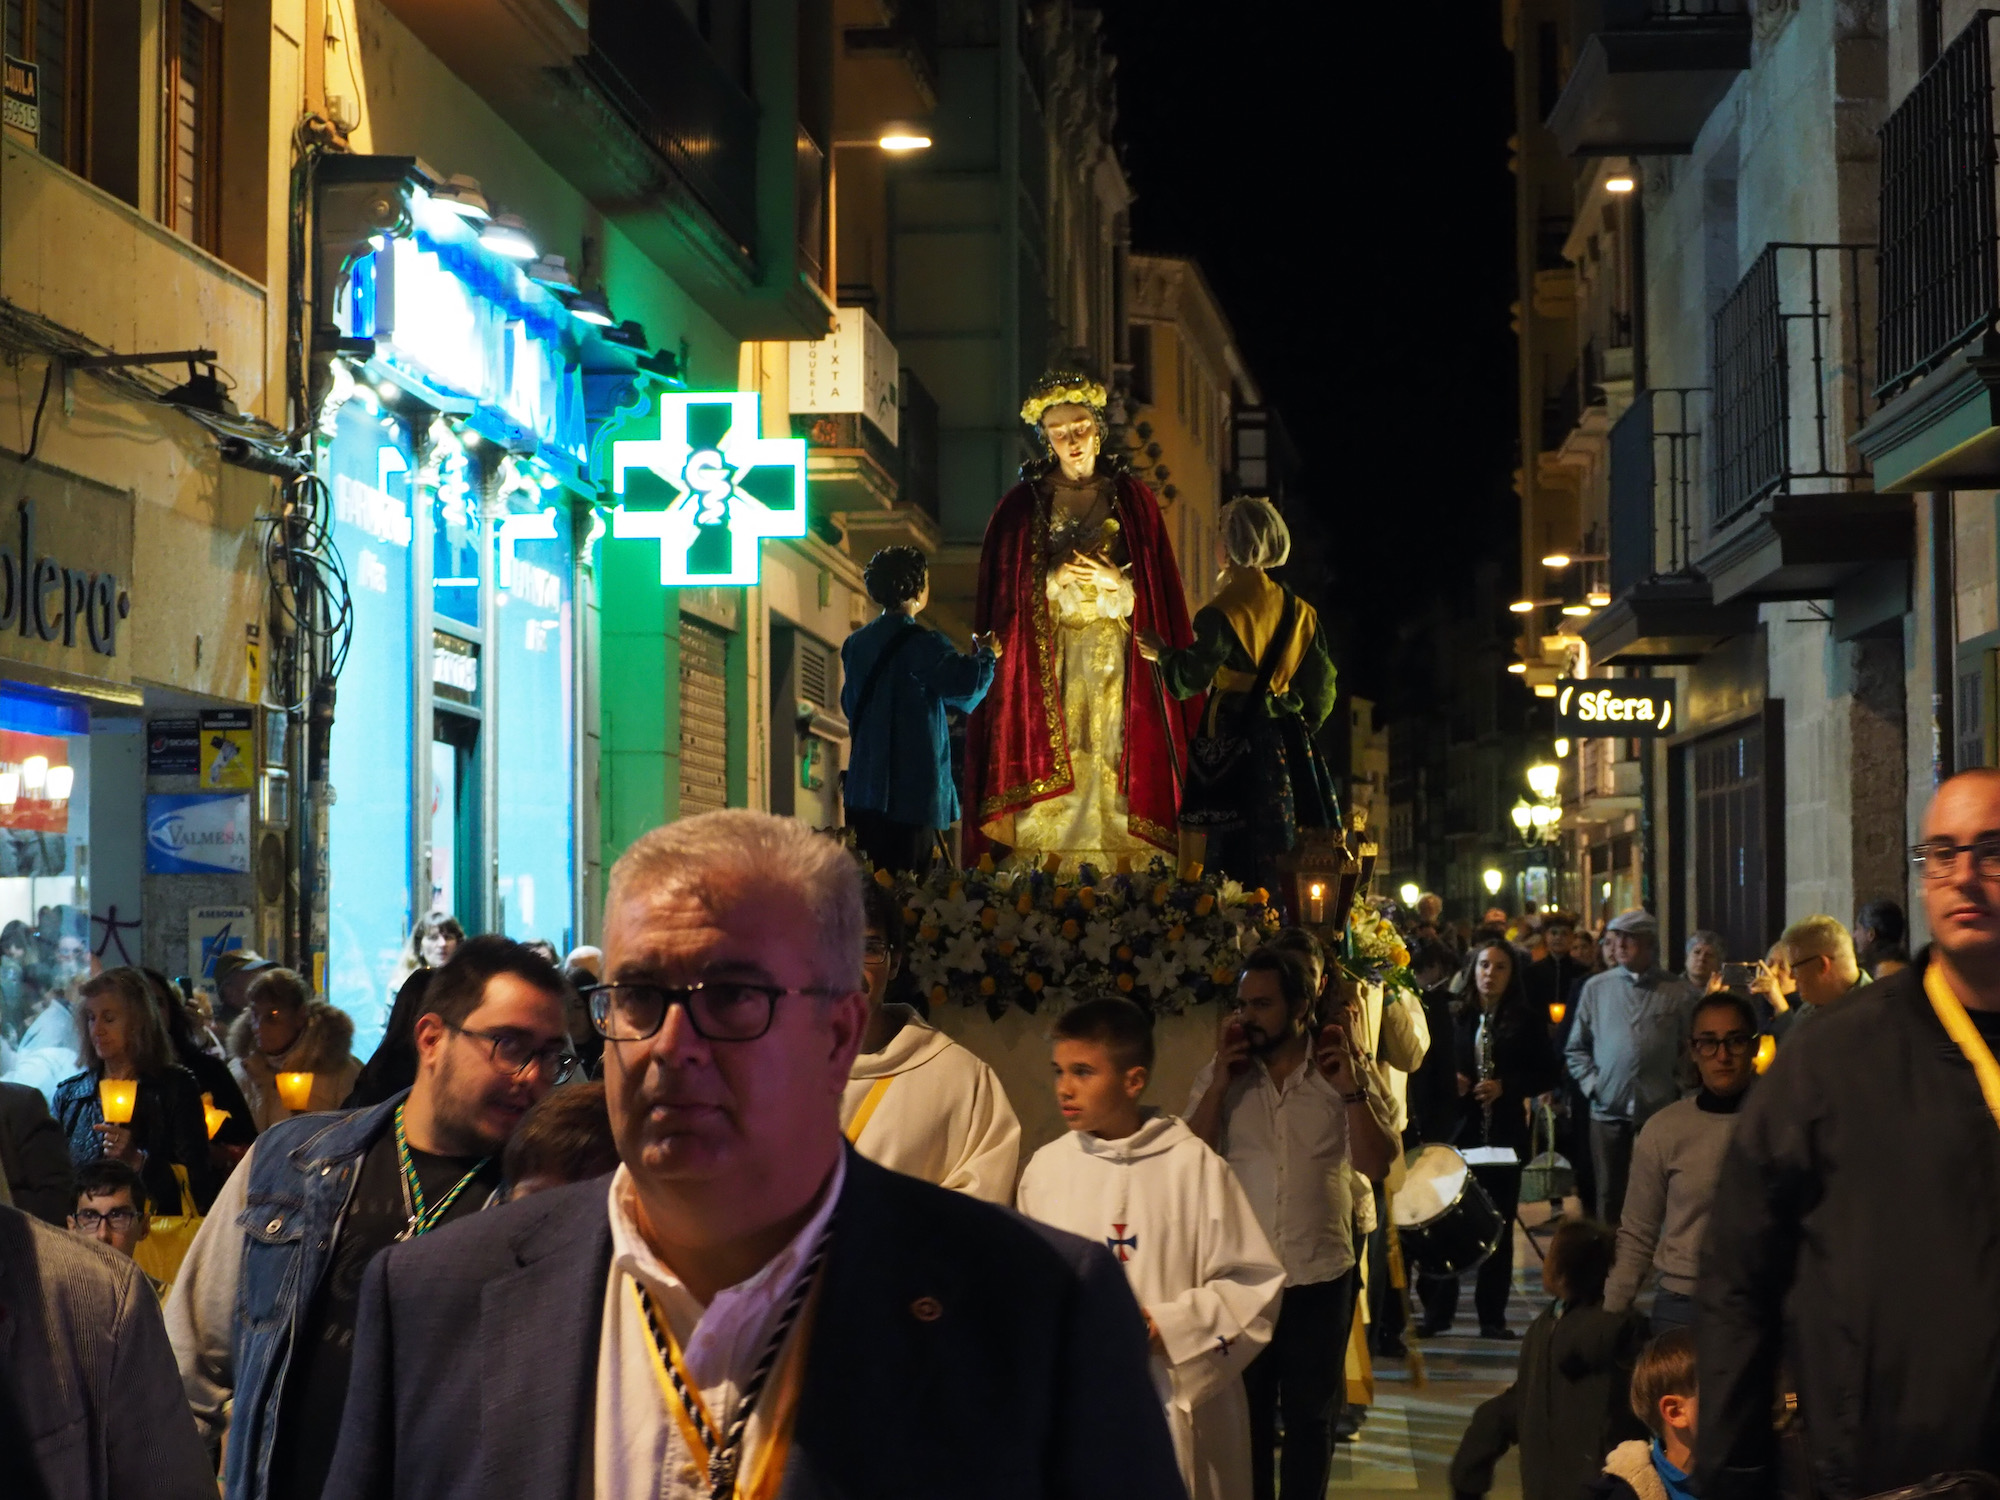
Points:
(1484, 1044)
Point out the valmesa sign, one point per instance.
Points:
(1600, 708)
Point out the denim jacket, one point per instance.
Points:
(250, 1277)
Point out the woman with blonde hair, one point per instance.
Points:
(120, 1036)
(1254, 776)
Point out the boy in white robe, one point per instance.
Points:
(1174, 1214)
(916, 1102)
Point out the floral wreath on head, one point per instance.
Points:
(1063, 388)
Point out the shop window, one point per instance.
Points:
(454, 513)
(532, 716)
(192, 138)
(368, 467)
(44, 861)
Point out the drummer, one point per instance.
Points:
(1503, 1062)
(1284, 1106)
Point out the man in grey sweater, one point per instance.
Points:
(1625, 1047)
(1676, 1162)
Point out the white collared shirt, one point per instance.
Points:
(1288, 1145)
(639, 1453)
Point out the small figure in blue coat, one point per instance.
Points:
(899, 677)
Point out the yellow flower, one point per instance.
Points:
(1025, 904)
(1124, 981)
(1160, 894)
(937, 994)
(928, 933)
(1191, 871)
(884, 879)
(957, 891)
(1087, 898)
(1220, 973)
(1070, 929)
(1062, 895)
(909, 916)
(1400, 956)
(1263, 896)
(1125, 952)
(988, 918)
(1034, 983)
(1176, 932)
(1204, 904)
(986, 985)
(986, 864)
(1052, 864)
(1005, 947)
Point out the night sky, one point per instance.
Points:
(1341, 173)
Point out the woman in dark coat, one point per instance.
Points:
(1504, 1062)
(120, 1036)
(233, 1139)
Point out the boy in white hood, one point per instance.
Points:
(916, 1102)
(1172, 1211)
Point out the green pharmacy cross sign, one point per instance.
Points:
(709, 488)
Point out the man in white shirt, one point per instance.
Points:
(917, 1102)
(1290, 1112)
(748, 1297)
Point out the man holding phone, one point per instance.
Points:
(1289, 1111)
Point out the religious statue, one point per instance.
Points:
(1078, 750)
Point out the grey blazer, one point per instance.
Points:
(959, 1350)
(93, 1379)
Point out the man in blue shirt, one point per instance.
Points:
(899, 678)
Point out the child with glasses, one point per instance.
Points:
(1675, 1163)
(112, 1208)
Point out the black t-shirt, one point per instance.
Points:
(316, 1385)
(1988, 1022)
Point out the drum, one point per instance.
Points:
(1446, 1222)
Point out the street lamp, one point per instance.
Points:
(1410, 894)
(1542, 779)
(1493, 879)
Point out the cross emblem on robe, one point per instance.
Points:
(709, 488)
(1122, 1245)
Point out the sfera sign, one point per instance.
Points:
(1604, 708)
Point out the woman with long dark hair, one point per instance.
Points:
(1504, 1061)
(119, 1035)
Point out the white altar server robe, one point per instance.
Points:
(1172, 1211)
(941, 1114)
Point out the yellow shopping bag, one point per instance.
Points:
(167, 1239)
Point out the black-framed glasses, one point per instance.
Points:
(875, 951)
(1937, 859)
(120, 1219)
(1736, 1041)
(514, 1053)
(720, 1010)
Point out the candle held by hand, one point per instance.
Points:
(118, 1096)
(295, 1091)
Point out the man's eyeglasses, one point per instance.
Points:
(1737, 1041)
(514, 1053)
(720, 1010)
(874, 951)
(120, 1219)
(1937, 859)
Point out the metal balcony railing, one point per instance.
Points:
(1790, 385)
(1620, 15)
(1940, 284)
(1657, 469)
(652, 63)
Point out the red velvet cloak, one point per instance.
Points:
(1016, 747)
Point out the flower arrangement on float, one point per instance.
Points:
(1022, 934)
(1376, 952)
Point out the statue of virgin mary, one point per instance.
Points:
(1077, 750)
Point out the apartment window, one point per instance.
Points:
(1141, 335)
(192, 140)
(48, 34)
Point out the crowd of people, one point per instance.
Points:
(687, 1214)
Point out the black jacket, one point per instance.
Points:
(1522, 1062)
(167, 1124)
(1569, 1405)
(34, 1157)
(1433, 1088)
(1858, 1207)
(475, 1358)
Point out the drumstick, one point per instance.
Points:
(1399, 1283)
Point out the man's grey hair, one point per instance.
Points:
(718, 857)
(1818, 935)
(1702, 935)
(1254, 535)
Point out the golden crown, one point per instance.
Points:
(1082, 393)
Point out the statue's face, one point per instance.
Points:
(1072, 432)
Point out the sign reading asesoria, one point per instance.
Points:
(1608, 708)
(709, 488)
